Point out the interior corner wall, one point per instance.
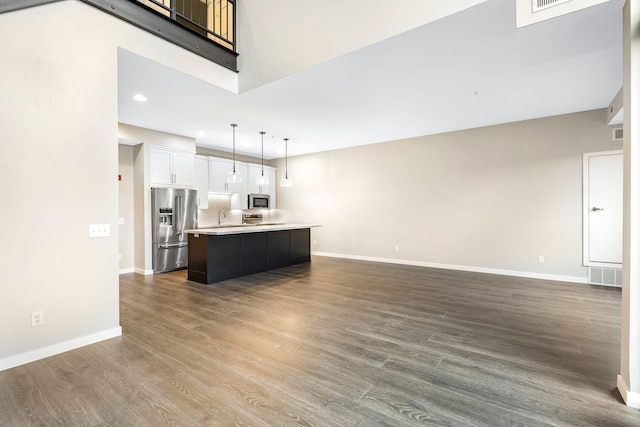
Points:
(141, 250)
(126, 180)
(58, 166)
(489, 199)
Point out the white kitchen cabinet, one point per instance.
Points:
(239, 190)
(161, 172)
(254, 172)
(183, 169)
(171, 167)
(219, 170)
(201, 180)
(253, 187)
(272, 187)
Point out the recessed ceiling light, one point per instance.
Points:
(139, 97)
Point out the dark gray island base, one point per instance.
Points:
(219, 255)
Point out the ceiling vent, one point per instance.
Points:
(617, 134)
(533, 11)
(538, 5)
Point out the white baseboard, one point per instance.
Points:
(526, 274)
(126, 270)
(631, 398)
(142, 271)
(52, 350)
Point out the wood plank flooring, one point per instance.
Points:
(338, 343)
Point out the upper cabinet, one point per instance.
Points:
(201, 180)
(271, 191)
(252, 185)
(210, 175)
(182, 168)
(239, 196)
(172, 167)
(219, 170)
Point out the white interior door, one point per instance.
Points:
(603, 208)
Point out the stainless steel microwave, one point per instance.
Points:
(258, 201)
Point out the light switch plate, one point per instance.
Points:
(99, 230)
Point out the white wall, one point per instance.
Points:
(489, 199)
(277, 38)
(628, 380)
(141, 209)
(125, 207)
(150, 136)
(58, 169)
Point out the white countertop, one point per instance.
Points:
(243, 229)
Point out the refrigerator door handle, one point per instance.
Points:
(183, 213)
(179, 212)
(174, 245)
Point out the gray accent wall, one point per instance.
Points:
(489, 199)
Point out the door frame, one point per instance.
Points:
(585, 209)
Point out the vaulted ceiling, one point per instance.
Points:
(469, 69)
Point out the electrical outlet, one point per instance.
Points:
(37, 318)
(396, 248)
(99, 230)
(315, 242)
(120, 221)
(541, 259)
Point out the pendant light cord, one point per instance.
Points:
(286, 158)
(234, 147)
(262, 152)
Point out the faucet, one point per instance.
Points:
(224, 215)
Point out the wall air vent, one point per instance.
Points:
(605, 276)
(617, 134)
(538, 5)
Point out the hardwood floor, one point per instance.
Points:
(338, 343)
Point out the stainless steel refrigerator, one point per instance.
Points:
(174, 210)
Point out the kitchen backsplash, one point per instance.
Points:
(222, 202)
(217, 202)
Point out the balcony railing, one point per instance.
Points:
(210, 21)
(213, 19)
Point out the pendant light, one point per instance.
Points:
(233, 177)
(262, 180)
(286, 182)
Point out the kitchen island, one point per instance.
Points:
(221, 253)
